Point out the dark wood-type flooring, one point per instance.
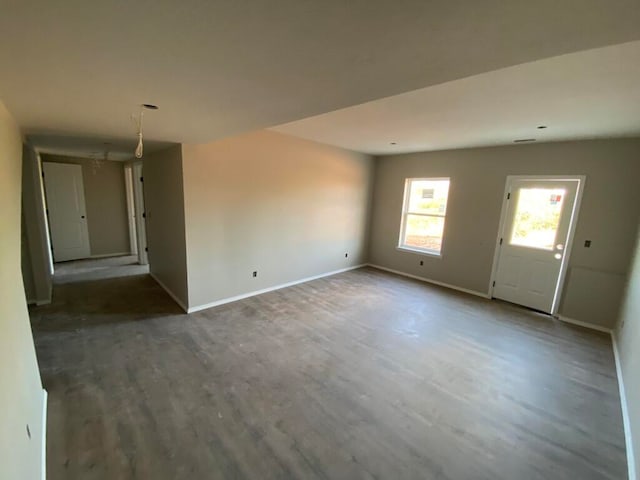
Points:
(363, 375)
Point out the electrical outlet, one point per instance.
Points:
(421, 263)
(255, 274)
(346, 255)
(587, 243)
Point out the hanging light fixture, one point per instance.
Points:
(140, 147)
(138, 121)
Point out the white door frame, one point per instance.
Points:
(572, 229)
(138, 195)
(131, 216)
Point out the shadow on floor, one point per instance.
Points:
(91, 293)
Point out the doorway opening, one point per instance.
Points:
(92, 211)
(537, 225)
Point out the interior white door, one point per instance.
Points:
(64, 189)
(538, 216)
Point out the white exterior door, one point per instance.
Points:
(537, 220)
(67, 212)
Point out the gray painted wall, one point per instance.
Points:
(608, 217)
(165, 221)
(266, 202)
(106, 201)
(21, 395)
(628, 342)
(26, 263)
(37, 260)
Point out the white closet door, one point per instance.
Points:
(67, 211)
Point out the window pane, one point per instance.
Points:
(424, 232)
(428, 196)
(537, 217)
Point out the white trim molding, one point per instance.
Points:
(171, 294)
(580, 323)
(242, 296)
(428, 280)
(45, 401)
(426, 253)
(631, 461)
(109, 255)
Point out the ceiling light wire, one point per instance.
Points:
(138, 121)
(140, 147)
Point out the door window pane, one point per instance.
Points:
(537, 217)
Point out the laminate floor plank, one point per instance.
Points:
(362, 375)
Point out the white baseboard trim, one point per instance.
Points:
(108, 255)
(580, 323)
(269, 289)
(45, 399)
(631, 462)
(171, 294)
(434, 282)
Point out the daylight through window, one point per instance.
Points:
(423, 215)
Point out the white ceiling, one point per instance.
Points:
(78, 68)
(118, 149)
(590, 94)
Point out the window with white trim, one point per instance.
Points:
(423, 214)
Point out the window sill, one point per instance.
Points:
(426, 253)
